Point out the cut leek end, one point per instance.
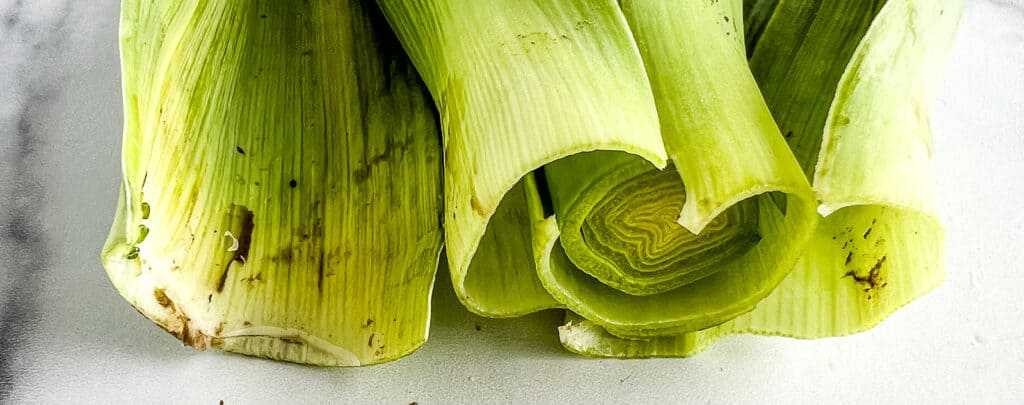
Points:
(195, 330)
(202, 330)
(729, 292)
(202, 327)
(626, 236)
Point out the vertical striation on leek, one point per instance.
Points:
(282, 180)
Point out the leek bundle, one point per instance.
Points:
(668, 172)
(281, 187)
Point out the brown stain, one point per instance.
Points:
(284, 255)
(320, 274)
(477, 206)
(293, 340)
(874, 280)
(223, 279)
(392, 147)
(162, 299)
(242, 222)
(842, 120)
(188, 336)
(530, 40)
(361, 174)
(704, 204)
(253, 279)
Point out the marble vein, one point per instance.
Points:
(29, 34)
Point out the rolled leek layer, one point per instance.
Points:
(649, 253)
(862, 131)
(281, 180)
(630, 239)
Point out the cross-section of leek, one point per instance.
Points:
(281, 193)
(849, 83)
(649, 253)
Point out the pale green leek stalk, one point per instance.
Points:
(849, 83)
(523, 84)
(281, 180)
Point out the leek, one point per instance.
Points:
(282, 171)
(519, 84)
(564, 86)
(655, 253)
(849, 83)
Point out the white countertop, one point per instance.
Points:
(67, 336)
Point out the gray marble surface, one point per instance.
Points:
(65, 334)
